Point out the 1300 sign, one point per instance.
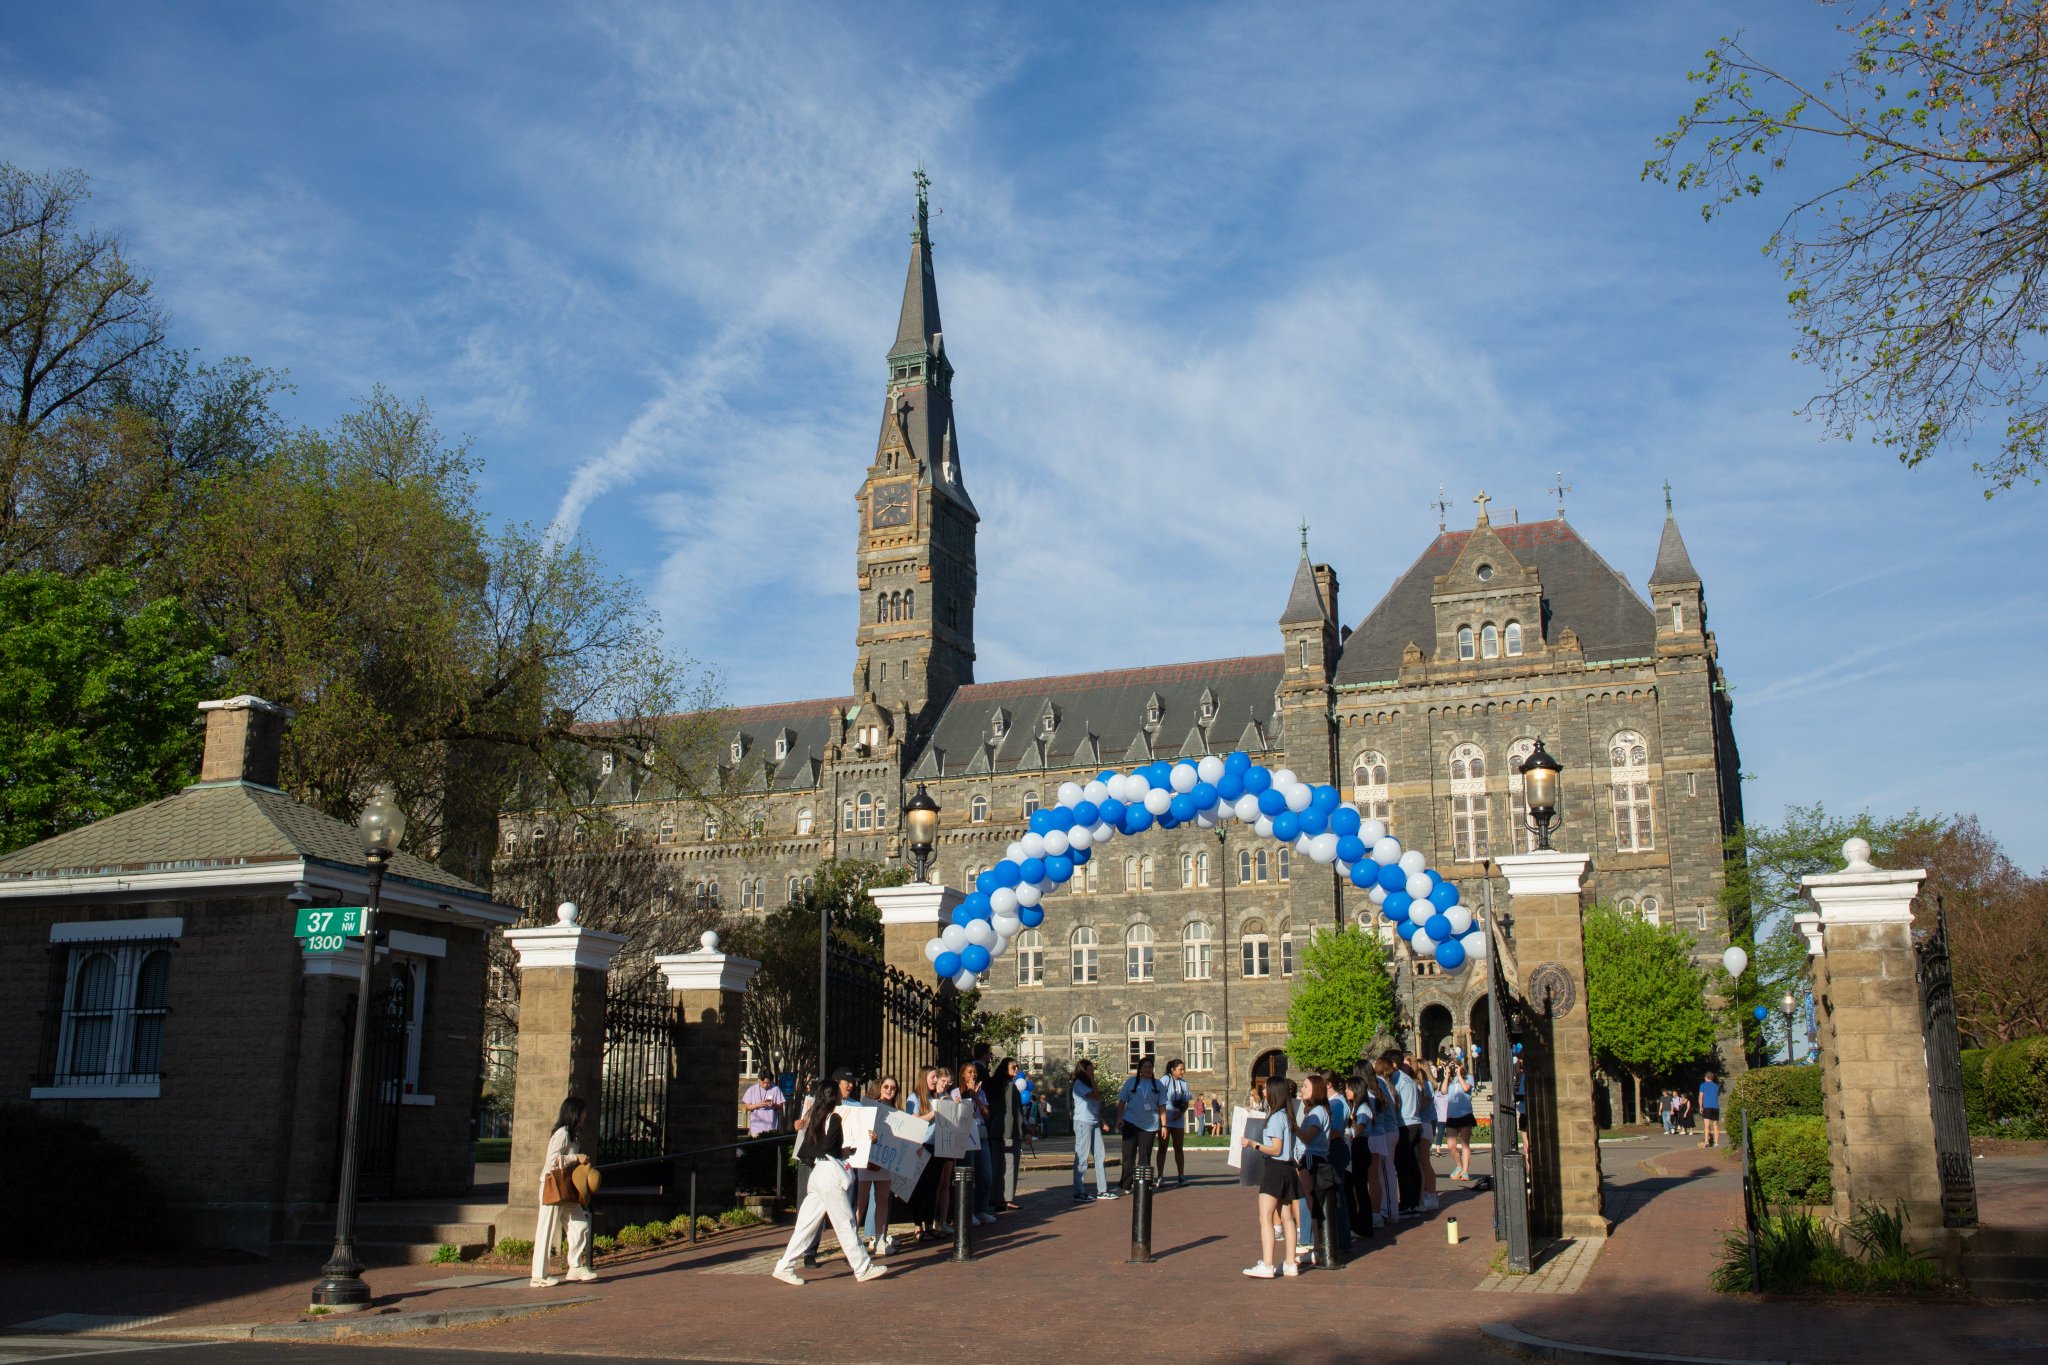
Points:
(326, 943)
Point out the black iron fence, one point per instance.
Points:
(641, 1032)
(881, 1022)
(1945, 1076)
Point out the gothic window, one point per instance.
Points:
(1196, 951)
(1031, 958)
(1284, 862)
(1465, 642)
(1286, 951)
(746, 893)
(1187, 869)
(1085, 1036)
(1201, 869)
(1628, 759)
(1142, 1039)
(803, 820)
(1138, 953)
(1084, 877)
(1518, 755)
(909, 606)
(1086, 967)
(1259, 864)
(1369, 785)
(1489, 641)
(794, 885)
(581, 834)
(1255, 949)
(1470, 809)
(710, 827)
(511, 841)
(1145, 873)
(1513, 639)
(1200, 1035)
(115, 1005)
(846, 815)
(977, 810)
(1031, 1047)
(711, 893)
(864, 811)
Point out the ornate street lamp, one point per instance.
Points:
(921, 822)
(381, 826)
(1790, 1004)
(1539, 792)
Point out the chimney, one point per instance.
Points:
(243, 736)
(1326, 587)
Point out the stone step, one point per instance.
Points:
(2007, 1242)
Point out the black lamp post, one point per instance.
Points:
(1223, 954)
(921, 822)
(1539, 792)
(382, 826)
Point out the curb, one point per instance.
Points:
(1567, 1353)
(352, 1325)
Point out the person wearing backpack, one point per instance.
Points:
(1143, 1102)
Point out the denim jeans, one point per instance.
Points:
(984, 1177)
(1087, 1143)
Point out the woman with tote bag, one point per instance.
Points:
(561, 1202)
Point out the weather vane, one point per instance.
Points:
(1560, 488)
(1442, 506)
(1304, 538)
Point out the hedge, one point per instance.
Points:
(2016, 1085)
(1792, 1159)
(1973, 1083)
(1773, 1092)
(71, 1192)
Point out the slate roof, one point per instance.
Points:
(1580, 590)
(919, 321)
(805, 727)
(1674, 565)
(216, 824)
(1304, 603)
(1101, 718)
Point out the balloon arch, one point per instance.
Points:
(1313, 819)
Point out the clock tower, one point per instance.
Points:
(915, 562)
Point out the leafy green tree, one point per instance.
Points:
(1914, 247)
(1646, 999)
(1342, 1000)
(98, 698)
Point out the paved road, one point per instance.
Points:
(36, 1350)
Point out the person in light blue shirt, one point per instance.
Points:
(1458, 1126)
(1088, 1134)
(1407, 1162)
(1279, 1182)
(1314, 1127)
(1143, 1102)
(1179, 1098)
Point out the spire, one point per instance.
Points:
(1674, 565)
(1304, 603)
(918, 326)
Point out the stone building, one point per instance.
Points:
(1183, 942)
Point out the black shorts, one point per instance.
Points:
(1279, 1179)
(1461, 1121)
(1711, 1113)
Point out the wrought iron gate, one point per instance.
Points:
(881, 1022)
(1945, 1075)
(640, 1060)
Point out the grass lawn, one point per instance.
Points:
(493, 1149)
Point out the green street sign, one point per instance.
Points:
(327, 943)
(339, 920)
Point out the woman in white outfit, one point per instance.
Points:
(562, 1153)
(829, 1193)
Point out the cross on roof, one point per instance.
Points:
(1304, 538)
(1667, 497)
(1482, 498)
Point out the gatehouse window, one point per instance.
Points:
(1256, 949)
(1031, 958)
(1196, 950)
(1138, 953)
(110, 1034)
(1141, 1039)
(1200, 1042)
(1086, 968)
(1085, 1037)
(1628, 759)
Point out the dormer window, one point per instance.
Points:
(781, 747)
(1208, 707)
(1048, 723)
(1155, 711)
(998, 724)
(738, 749)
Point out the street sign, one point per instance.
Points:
(346, 919)
(327, 943)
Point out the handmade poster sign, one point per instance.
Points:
(899, 1148)
(1239, 1117)
(857, 1130)
(953, 1135)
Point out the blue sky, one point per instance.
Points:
(1206, 270)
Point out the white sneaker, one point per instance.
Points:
(543, 1282)
(1261, 1271)
(873, 1272)
(583, 1274)
(885, 1247)
(1291, 1270)
(787, 1276)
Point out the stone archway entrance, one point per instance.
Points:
(1434, 1027)
(1267, 1064)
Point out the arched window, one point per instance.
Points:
(1084, 877)
(1086, 968)
(1085, 1037)
(1130, 874)
(665, 832)
(1628, 761)
(1518, 755)
(794, 884)
(1650, 910)
(1201, 869)
(91, 1018)
(1200, 1046)
(746, 893)
(1138, 953)
(710, 828)
(1031, 958)
(977, 811)
(1259, 864)
(881, 608)
(846, 816)
(864, 811)
(1286, 863)
(1465, 642)
(1286, 951)
(711, 892)
(1470, 810)
(1030, 804)
(1513, 638)
(1145, 873)
(1141, 1038)
(1187, 869)
(1244, 865)
(1031, 1046)
(1369, 785)
(909, 606)
(512, 840)
(1197, 952)
(1256, 949)
(1489, 641)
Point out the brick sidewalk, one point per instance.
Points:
(1053, 1277)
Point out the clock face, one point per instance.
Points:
(889, 505)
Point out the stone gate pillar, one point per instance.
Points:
(563, 972)
(912, 914)
(708, 989)
(1546, 895)
(1873, 1046)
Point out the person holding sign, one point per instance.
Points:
(871, 1183)
(828, 1192)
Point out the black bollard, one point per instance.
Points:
(1143, 1182)
(963, 1211)
(1326, 1229)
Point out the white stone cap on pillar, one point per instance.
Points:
(565, 943)
(918, 903)
(1549, 873)
(707, 969)
(1808, 923)
(1863, 894)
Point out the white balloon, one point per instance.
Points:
(1378, 894)
(1386, 851)
(1299, 796)
(1016, 848)
(1003, 901)
(1475, 945)
(954, 937)
(1301, 844)
(1070, 792)
(1372, 831)
(1412, 861)
(1419, 885)
(1158, 800)
(1032, 845)
(932, 948)
(1323, 848)
(1419, 911)
(1096, 791)
(965, 981)
(1182, 778)
(1343, 868)
(1285, 778)
(1264, 825)
(1248, 808)
(982, 932)
(1135, 787)
(1206, 819)
(1027, 894)
(1422, 945)
(1006, 926)
(1460, 917)
(1735, 960)
(1056, 842)
(1210, 769)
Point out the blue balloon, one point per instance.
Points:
(1351, 849)
(988, 882)
(1313, 821)
(1392, 915)
(1077, 856)
(1182, 806)
(1345, 820)
(1030, 916)
(1086, 813)
(1437, 927)
(1762, 1013)
(1450, 955)
(1257, 780)
(974, 958)
(1205, 795)
(1271, 802)
(1326, 799)
(1032, 870)
(962, 916)
(1287, 826)
(1167, 821)
(1364, 876)
(1436, 878)
(976, 904)
(1237, 761)
(1060, 868)
(1396, 904)
(1062, 818)
(1137, 819)
(1407, 928)
(1112, 813)
(1394, 877)
(1040, 821)
(947, 964)
(1008, 873)
(1230, 786)
(1444, 896)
